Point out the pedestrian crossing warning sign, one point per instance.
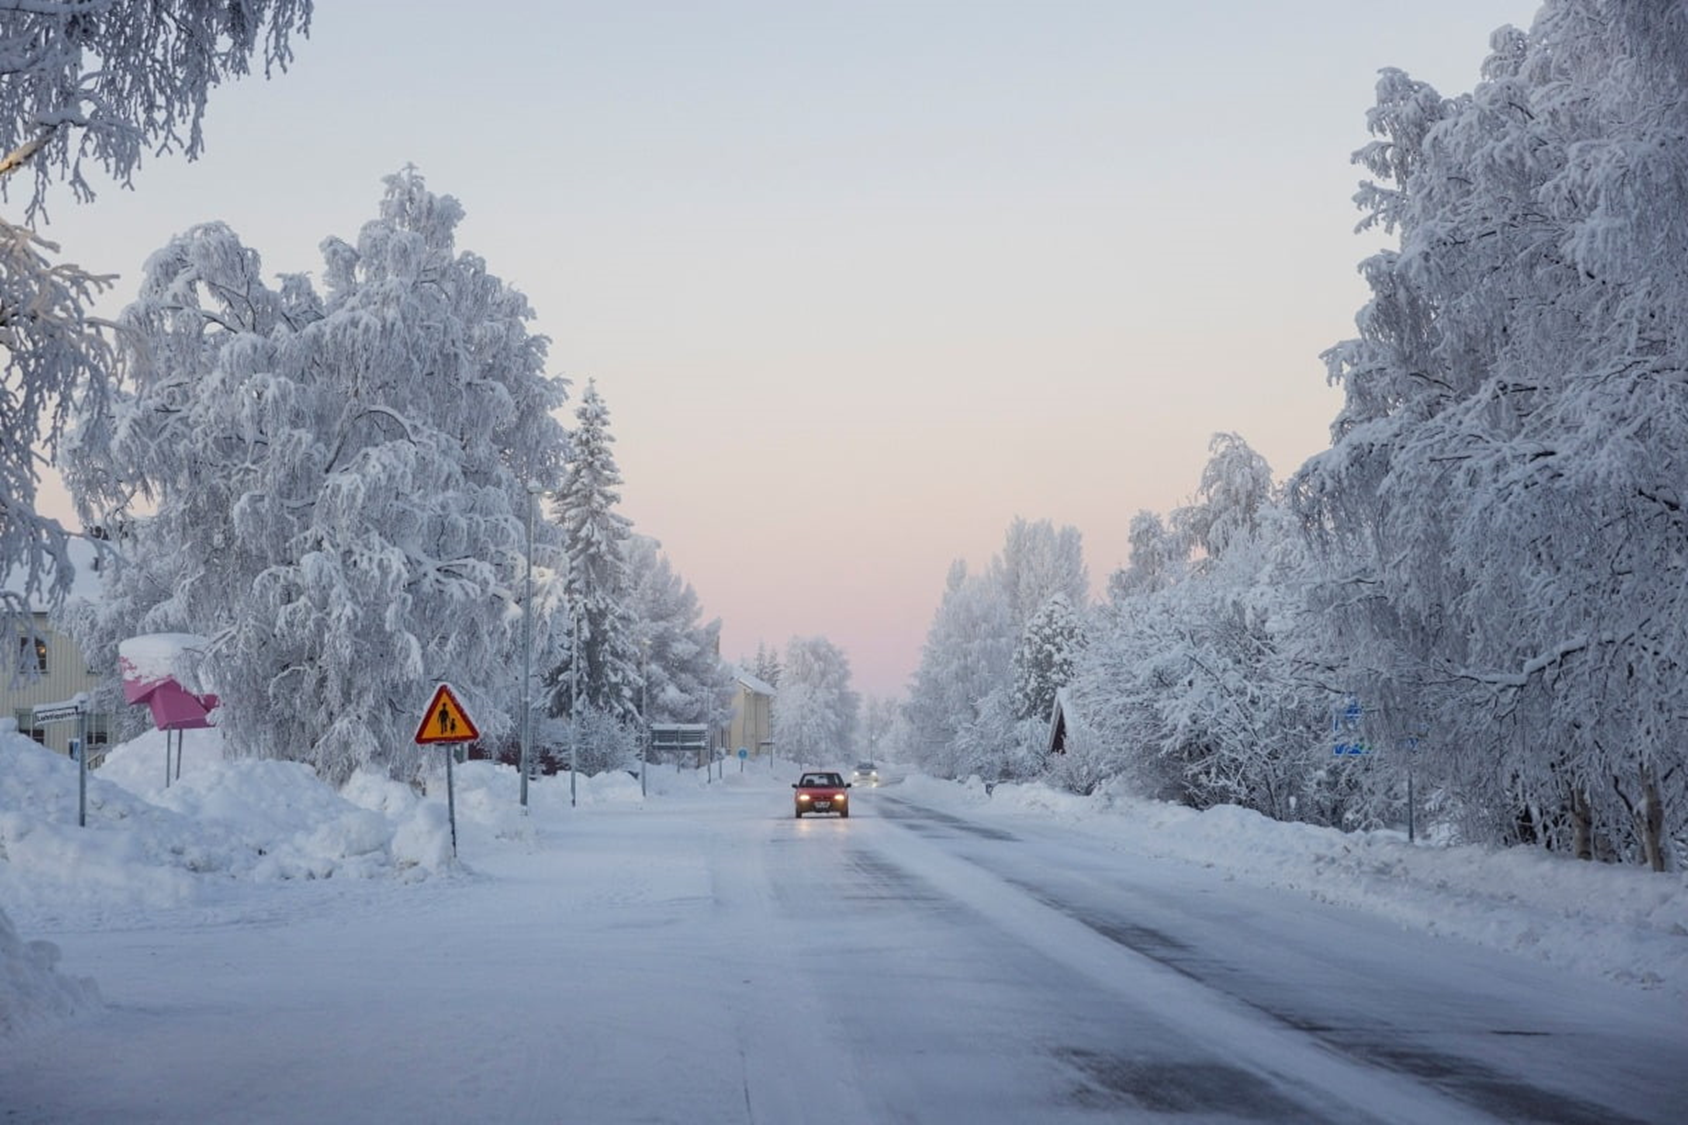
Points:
(445, 720)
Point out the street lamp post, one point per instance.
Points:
(644, 716)
(574, 698)
(533, 491)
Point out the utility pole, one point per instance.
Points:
(644, 716)
(574, 697)
(533, 491)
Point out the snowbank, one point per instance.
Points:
(31, 992)
(149, 845)
(1621, 923)
(221, 825)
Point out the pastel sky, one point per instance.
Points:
(859, 281)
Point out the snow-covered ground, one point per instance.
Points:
(264, 853)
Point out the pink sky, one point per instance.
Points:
(861, 282)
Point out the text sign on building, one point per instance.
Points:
(446, 720)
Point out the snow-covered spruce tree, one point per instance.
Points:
(1506, 476)
(601, 631)
(338, 481)
(1045, 659)
(816, 713)
(106, 84)
(684, 678)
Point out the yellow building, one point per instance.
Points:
(751, 726)
(50, 669)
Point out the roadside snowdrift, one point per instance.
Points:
(1622, 923)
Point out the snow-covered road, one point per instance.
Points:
(706, 958)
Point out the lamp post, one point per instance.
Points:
(644, 716)
(533, 492)
(574, 688)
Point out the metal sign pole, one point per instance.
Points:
(1411, 835)
(82, 770)
(451, 797)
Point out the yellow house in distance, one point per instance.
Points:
(751, 726)
(44, 666)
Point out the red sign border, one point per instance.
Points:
(442, 693)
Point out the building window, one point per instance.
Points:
(32, 652)
(26, 724)
(99, 729)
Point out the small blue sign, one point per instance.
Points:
(743, 753)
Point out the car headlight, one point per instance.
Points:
(843, 796)
(802, 796)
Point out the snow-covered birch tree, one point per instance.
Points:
(816, 713)
(1505, 485)
(338, 480)
(95, 85)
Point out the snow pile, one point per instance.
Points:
(217, 826)
(152, 845)
(1622, 923)
(31, 992)
(131, 854)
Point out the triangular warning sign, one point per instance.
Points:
(445, 720)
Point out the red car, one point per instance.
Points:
(822, 792)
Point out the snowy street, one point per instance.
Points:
(704, 957)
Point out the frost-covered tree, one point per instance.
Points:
(962, 709)
(1047, 654)
(1158, 558)
(337, 481)
(765, 665)
(101, 84)
(816, 712)
(1037, 562)
(603, 633)
(1236, 484)
(968, 654)
(1505, 490)
(684, 678)
(881, 720)
(1194, 687)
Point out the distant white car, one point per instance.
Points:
(866, 774)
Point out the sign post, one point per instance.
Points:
(743, 753)
(446, 722)
(73, 709)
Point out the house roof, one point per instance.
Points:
(756, 686)
(1057, 741)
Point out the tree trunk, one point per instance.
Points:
(1582, 825)
(1652, 820)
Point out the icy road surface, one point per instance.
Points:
(707, 958)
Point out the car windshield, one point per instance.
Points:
(822, 779)
(864, 767)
